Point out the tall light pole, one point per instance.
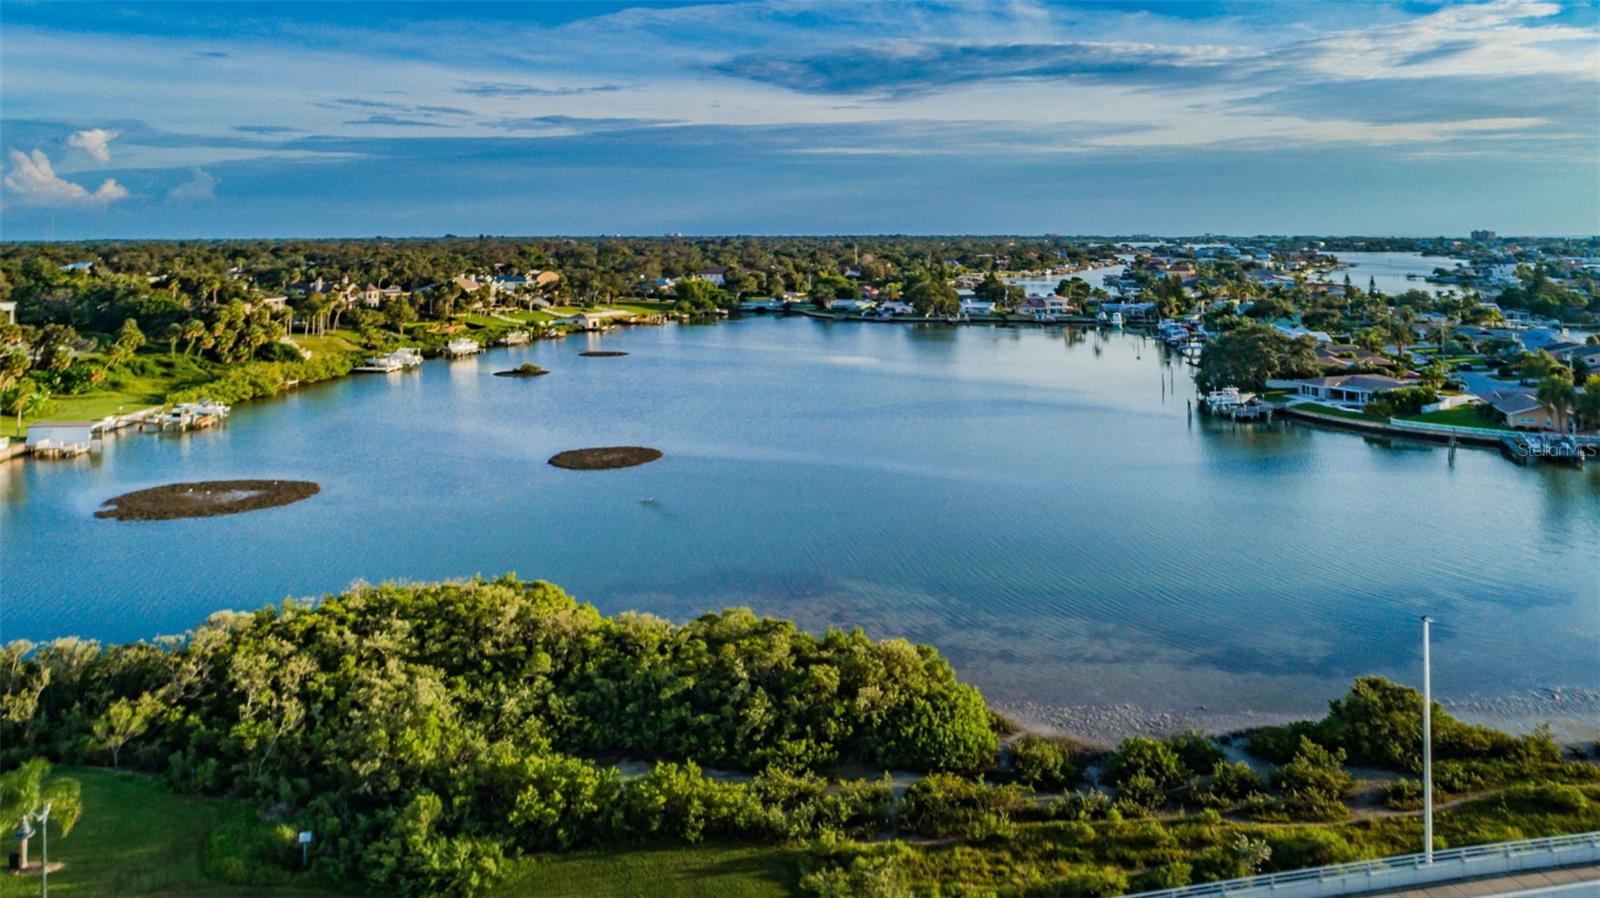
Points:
(44, 851)
(1427, 745)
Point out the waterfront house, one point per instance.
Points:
(977, 307)
(1344, 355)
(851, 305)
(762, 304)
(716, 274)
(896, 307)
(1521, 410)
(1353, 390)
(1294, 331)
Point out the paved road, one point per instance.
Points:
(1564, 882)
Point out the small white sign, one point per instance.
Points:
(305, 837)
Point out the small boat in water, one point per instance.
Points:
(461, 347)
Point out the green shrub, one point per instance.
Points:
(1304, 848)
(1167, 876)
(1279, 743)
(1042, 763)
(1314, 783)
(246, 850)
(1143, 756)
(1196, 750)
(1553, 797)
(1229, 784)
(1402, 795)
(1088, 882)
(943, 804)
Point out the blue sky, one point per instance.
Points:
(798, 116)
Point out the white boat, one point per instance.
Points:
(1116, 319)
(202, 408)
(461, 346)
(399, 360)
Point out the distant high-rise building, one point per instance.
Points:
(1482, 236)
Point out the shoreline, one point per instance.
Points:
(1573, 713)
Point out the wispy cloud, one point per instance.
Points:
(200, 186)
(511, 89)
(34, 182)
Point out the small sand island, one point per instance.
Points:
(206, 499)
(602, 353)
(526, 369)
(604, 457)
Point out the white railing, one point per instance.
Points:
(1403, 871)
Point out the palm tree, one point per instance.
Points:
(23, 794)
(1557, 394)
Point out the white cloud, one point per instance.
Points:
(202, 186)
(35, 182)
(95, 142)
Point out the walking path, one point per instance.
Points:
(1561, 882)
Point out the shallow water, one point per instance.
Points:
(1038, 503)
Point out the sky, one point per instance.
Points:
(798, 116)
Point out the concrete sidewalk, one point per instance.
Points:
(1562, 882)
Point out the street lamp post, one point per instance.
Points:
(1427, 744)
(44, 851)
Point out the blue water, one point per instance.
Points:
(1037, 503)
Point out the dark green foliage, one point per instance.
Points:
(1197, 751)
(1314, 783)
(1402, 795)
(1401, 401)
(1042, 763)
(1150, 758)
(249, 851)
(1228, 785)
(1278, 744)
(948, 805)
(1251, 354)
(426, 732)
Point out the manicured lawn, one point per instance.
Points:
(1465, 416)
(124, 392)
(1337, 412)
(712, 871)
(331, 343)
(136, 838)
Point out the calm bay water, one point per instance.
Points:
(1390, 271)
(1037, 503)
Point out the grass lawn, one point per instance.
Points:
(1337, 412)
(122, 393)
(331, 343)
(642, 307)
(713, 871)
(136, 838)
(1464, 416)
(534, 317)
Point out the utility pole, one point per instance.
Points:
(44, 851)
(1427, 744)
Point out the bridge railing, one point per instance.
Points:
(1402, 871)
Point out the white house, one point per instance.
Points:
(896, 307)
(851, 305)
(977, 307)
(716, 274)
(1293, 331)
(1348, 389)
(9, 310)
